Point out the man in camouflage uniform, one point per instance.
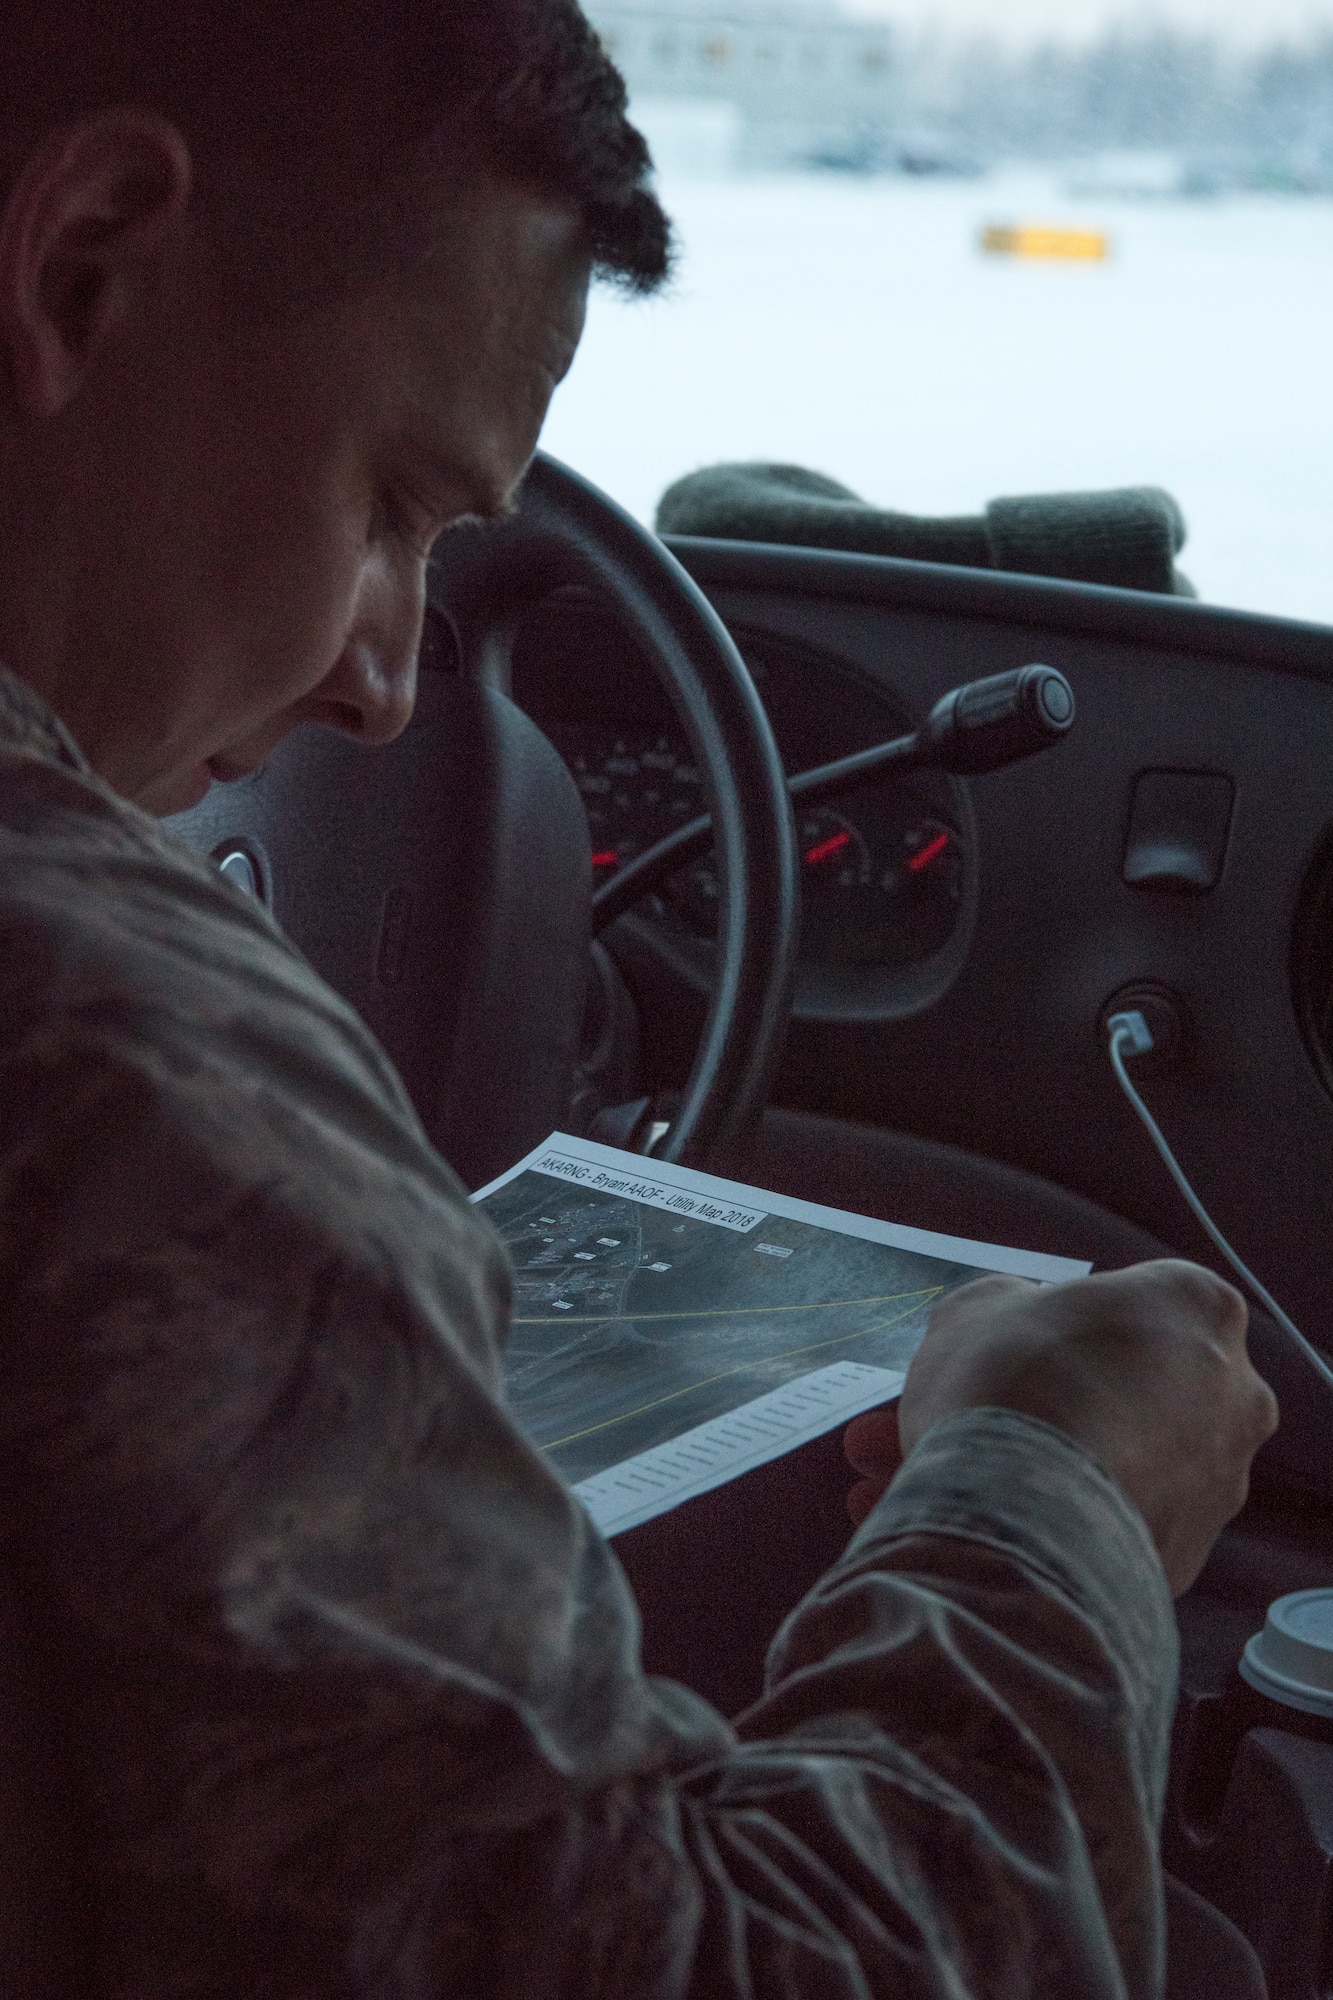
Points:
(349, 1681)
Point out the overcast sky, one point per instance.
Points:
(1241, 20)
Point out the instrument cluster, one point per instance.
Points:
(882, 875)
(887, 874)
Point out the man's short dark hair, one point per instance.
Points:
(332, 99)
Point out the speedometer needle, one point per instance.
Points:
(827, 849)
(924, 857)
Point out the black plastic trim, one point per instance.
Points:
(1311, 961)
(1175, 624)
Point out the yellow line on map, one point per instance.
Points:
(725, 1312)
(788, 1355)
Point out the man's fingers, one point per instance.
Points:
(863, 1497)
(1178, 1290)
(871, 1444)
(1267, 1415)
(979, 1298)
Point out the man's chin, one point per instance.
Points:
(177, 793)
(173, 794)
(184, 789)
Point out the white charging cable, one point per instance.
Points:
(1129, 1034)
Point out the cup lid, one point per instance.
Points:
(1291, 1660)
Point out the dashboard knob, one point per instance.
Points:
(989, 723)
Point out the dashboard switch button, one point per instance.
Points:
(1179, 825)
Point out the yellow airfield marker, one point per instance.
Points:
(1040, 240)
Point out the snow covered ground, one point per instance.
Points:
(855, 327)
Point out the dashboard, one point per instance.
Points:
(960, 1001)
(888, 870)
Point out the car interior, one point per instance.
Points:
(892, 1000)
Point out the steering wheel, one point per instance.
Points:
(565, 532)
(441, 883)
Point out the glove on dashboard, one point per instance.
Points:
(1128, 536)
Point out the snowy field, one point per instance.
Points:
(853, 326)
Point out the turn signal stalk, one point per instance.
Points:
(982, 726)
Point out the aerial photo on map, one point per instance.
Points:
(633, 1323)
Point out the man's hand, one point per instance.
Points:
(1146, 1368)
(873, 1449)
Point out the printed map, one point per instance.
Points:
(638, 1318)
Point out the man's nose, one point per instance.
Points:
(372, 690)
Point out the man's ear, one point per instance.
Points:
(92, 206)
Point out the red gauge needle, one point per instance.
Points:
(827, 849)
(929, 853)
(605, 857)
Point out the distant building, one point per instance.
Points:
(806, 83)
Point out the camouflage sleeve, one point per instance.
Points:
(351, 1684)
(998, 1643)
(952, 1786)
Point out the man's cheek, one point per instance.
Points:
(293, 657)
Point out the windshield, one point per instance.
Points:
(984, 250)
